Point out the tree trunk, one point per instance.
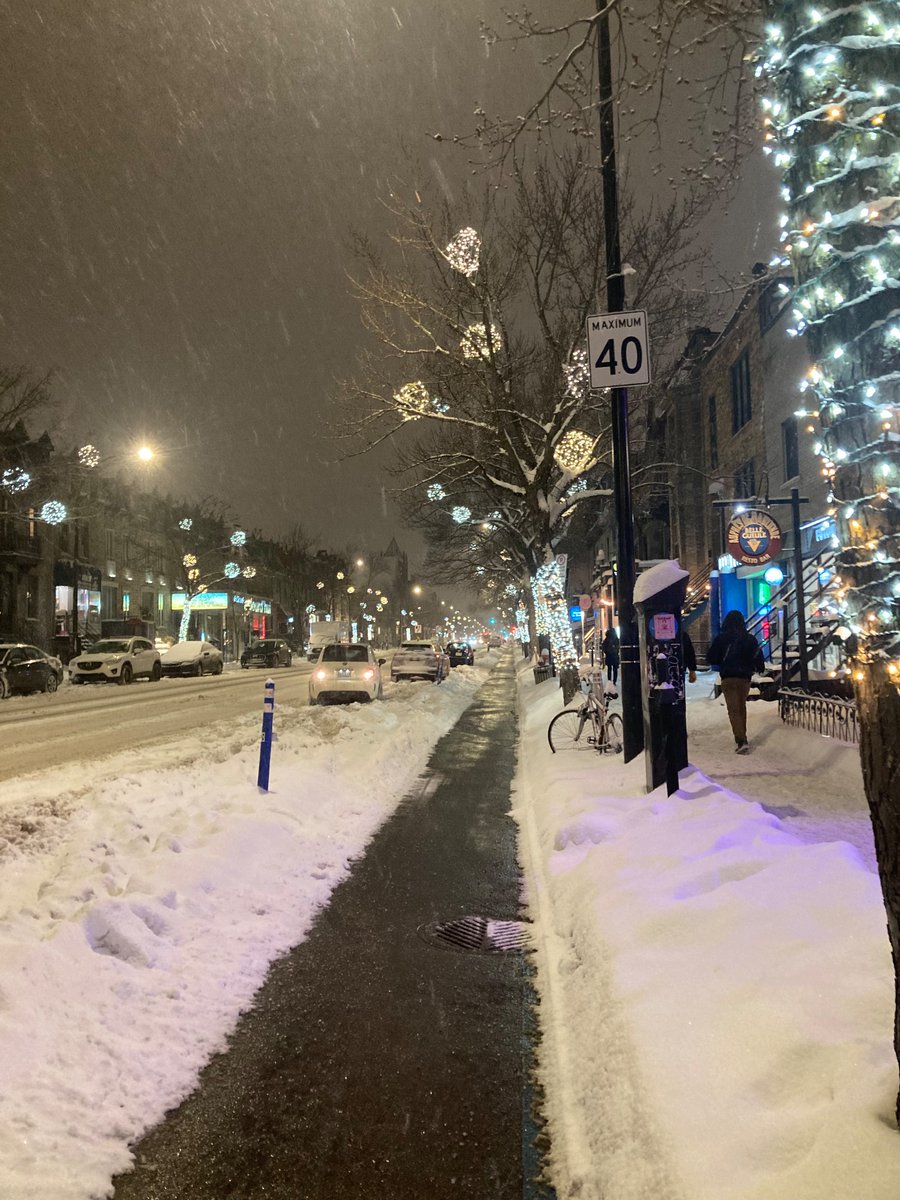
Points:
(879, 713)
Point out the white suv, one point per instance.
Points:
(419, 660)
(116, 660)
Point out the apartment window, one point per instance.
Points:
(741, 406)
(745, 481)
(713, 425)
(109, 602)
(110, 544)
(791, 445)
(31, 598)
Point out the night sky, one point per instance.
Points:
(179, 183)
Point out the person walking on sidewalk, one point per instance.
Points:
(737, 655)
(610, 648)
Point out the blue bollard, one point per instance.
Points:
(265, 745)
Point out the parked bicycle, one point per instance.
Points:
(588, 727)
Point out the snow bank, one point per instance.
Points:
(139, 915)
(717, 996)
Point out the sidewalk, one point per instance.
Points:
(377, 1062)
(715, 977)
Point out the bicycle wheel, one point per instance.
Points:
(569, 731)
(614, 737)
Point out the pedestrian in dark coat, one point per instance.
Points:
(690, 656)
(738, 657)
(610, 648)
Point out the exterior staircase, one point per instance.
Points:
(774, 625)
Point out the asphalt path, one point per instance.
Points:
(378, 1063)
(86, 723)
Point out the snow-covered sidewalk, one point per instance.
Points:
(717, 994)
(139, 915)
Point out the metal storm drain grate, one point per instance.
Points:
(482, 933)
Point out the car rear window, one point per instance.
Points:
(345, 654)
(420, 646)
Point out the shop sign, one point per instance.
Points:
(204, 602)
(754, 537)
(249, 605)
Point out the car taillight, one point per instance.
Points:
(368, 674)
(321, 675)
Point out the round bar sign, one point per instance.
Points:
(754, 537)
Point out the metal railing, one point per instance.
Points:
(829, 716)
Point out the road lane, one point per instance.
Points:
(91, 722)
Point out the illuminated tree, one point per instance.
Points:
(832, 124)
(480, 376)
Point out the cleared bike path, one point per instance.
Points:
(378, 1062)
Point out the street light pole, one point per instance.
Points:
(632, 714)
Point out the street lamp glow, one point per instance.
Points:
(145, 453)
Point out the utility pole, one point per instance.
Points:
(632, 715)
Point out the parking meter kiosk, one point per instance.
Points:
(659, 596)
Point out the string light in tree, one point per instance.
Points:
(475, 343)
(186, 524)
(54, 512)
(413, 399)
(89, 456)
(573, 451)
(14, 480)
(578, 374)
(232, 570)
(189, 560)
(831, 126)
(249, 572)
(238, 538)
(463, 252)
(551, 610)
(461, 514)
(434, 492)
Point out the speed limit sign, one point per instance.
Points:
(618, 349)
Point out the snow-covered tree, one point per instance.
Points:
(480, 376)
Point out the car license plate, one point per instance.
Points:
(344, 673)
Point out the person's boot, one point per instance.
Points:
(742, 747)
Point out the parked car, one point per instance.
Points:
(346, 672)
(419, 660)
(460, 654)
(192, 658)
(267, 652)
(25, 668)
(116, 660)
(495, 642)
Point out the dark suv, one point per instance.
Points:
(460, 654)
(268, 652)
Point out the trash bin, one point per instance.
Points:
(541, 674)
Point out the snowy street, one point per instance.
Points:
(714, 976)
(88, 723)
(144, 895)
